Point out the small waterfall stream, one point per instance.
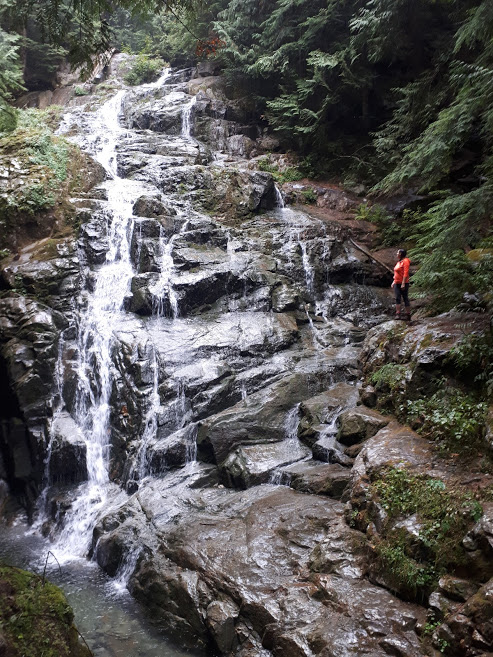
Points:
(96, 338)
(92, 403)
(186, 125)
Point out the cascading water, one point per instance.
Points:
(279, 198)
(94, 371)
(186, 126)
(307, 265)
(150, 420)
(162, 291)
(166, 391)
(291, 445)
(96, 338)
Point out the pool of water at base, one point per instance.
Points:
(110, 620)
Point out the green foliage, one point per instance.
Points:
(374, 213)
(441, 115)
(403, 494)
(393, 230)
(389, 377)
(81, 91)
(37, 164)
(404, 572)
(474, 357)
(35, 617)
(144, 69)
(83, 28)
(10, 79)
(287, 174)
(309, 196)
(443, 516)
(450, 417)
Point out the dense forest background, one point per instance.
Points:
(395, 94)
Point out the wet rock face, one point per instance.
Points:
(246, 575)
(423, 349)
(68, 462)
(233, 365)
(28, 338)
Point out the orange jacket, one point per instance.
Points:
(401, 271)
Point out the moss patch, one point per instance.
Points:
(39, 171)
(35, 617)
(442, 515)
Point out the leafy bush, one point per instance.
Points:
(390, 378)
(42, 160)
(444, 516)
(43, 170)
(404, 572)
(309, 196)
(144, 69)
(394, 230)
(81, 91)
(475, 354)
(374, 213)
(10, 79)
(450, 417)
(289, 174)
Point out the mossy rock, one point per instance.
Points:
(40, 173)
(35, 618)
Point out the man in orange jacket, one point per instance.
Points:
(401, 285)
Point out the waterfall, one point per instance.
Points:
(95, 368)
(186, 125)
(279, 198)
(150, 420)
(191, 438)
(160, 81)
(307, 266)
(291, 445)
(162, 291)
(58, 405)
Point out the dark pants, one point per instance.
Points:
(402, 291)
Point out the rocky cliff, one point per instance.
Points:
(184, 398)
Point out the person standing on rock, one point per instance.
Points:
(401, 285)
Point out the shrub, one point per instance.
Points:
(444, 516)
(389, 381)
(43, 169)
(394, 230)
(81, 91)
(144, 69)
(403, 572)
(374, 213)
(451, 417)
(290, 174)
(309, 196)
(475, 354)
(42, 162)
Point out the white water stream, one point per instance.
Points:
(186, 125)
(96, 337)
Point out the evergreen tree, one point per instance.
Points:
(440, 138)
(10, 79)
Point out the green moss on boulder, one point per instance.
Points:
(35, 618)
